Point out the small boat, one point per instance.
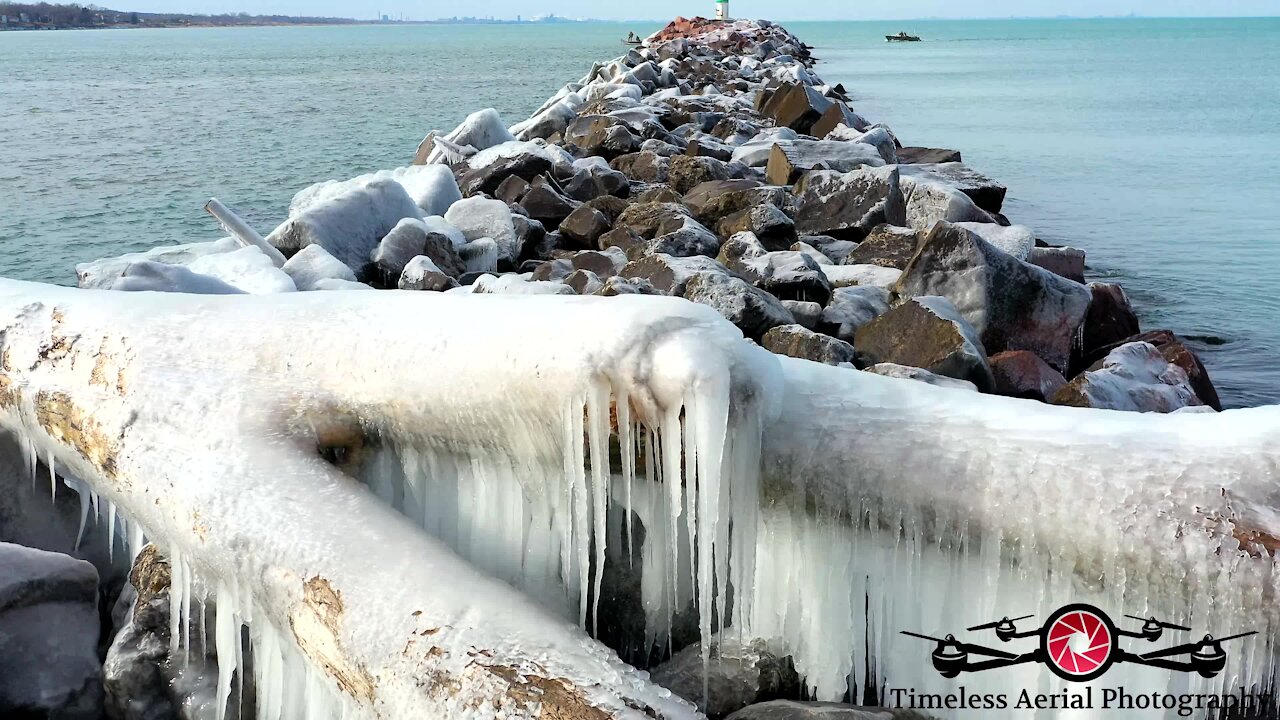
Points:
(902, 37)
(633, 39)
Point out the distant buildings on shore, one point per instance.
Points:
(548, 19)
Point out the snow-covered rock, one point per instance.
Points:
(480, 255)
(512, 284)
(103, 273)
(479, 131)
(432, 187)
(928, 333)
(871, 275)
(422, 274)
(752, 310)
(849, 205)
(480, 217)
(1016, 240)
(348, 224)
(907, 372)
(312, 264)
(852, 307)
(1133, 377)
(247, 269)
(930, 201)
(148, 276)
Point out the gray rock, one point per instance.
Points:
(485, 180)
(1011, 304)
(850, 308)
(930, 200)
(927, 156)
(626, 286)
(927, 333)
(752, 310)
(849, 205)
(807, 314)
(645, 166)
(789, 159)
(686, 173)
(799, 342)
(986, 193)
(584, 226)
(835, 250)
(49, 629)
(546, 205)
(736, 676)
(787, 274)
(774, 229)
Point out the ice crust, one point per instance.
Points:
(843, 506)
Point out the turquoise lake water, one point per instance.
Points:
(1151, 144)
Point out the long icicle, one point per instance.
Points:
(598, 415)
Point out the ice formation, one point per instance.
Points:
(840, 507)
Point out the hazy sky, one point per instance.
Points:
(665, 9)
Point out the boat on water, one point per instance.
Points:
(633, 39)
(902, 37)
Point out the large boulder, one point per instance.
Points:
(790, 159)
(584, 226)
(666, 228)
(752, 310)
(601, 136)
(927, 156)
(101, 274)
(1022, 374)
(1134, 377)
(1016, 240)
(644, 166)
(1012, 305)
(49, 626)
(886, 246)
(736, 676)
(712, 201)
(929, 200)
(800, 342)
(849, 205)
(786, 274)
(148, 276)
(1067, 262)
(795, 105)
(928, 333)
(348, 225)
(248, 269)
(850, 308)
(547, 205)
(486, 179)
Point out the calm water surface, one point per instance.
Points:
(1150, 143)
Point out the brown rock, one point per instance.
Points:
(927, 333)
(834, 116)
(1022, 374)
(686, 172)
(1109, 323)
(886, 246)
(923, 156)
(584, 226)
(797, 342)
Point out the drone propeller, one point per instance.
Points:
(1161, 623)
(966, 647)
(998, 623)
(1192, 647)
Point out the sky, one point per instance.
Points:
(666, 9)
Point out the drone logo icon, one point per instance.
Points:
(1079, 643)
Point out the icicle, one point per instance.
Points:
(137, 539)
(598, 434)
(82, 489)
(626, 446)
(188, 589)
(111, 530)
(226, 640)
(53, 479)
(29, 455)
(581, 509)
(177, 587)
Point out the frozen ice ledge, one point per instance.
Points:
(465, 504)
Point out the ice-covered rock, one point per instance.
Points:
(480, 255)
(849, 205)
(881, 138)
(433, 188)
(487, 178)
(515, 285)
(790, 159)
(348, 224)
(49, 629)
(668, 274)
(408, 240)
(774, 228)
(986, 193)
(480, 217)
(103, 273)
(929, 333)
(148, 276)
(312, 264)
(1133, 377)
(930, 201)
(422, 274)
(1012, 305)
(559, 159)
(849, 275)
(907, 372)
(479, 131)
(1016, 240)
(786, 274)
(1177, 353)
(247, 269)
(851, 308)
(1067, 262)
(736, 675)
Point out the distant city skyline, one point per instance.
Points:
(666, 9)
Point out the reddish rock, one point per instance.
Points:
(1022, 374)
(1109, 322)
